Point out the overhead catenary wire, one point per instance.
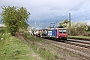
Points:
(78, 4)
(66, 13)
(82, 13)
(74, 16)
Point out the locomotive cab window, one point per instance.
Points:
(62, 31)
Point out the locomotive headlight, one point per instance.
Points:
(59, 35)
(65, 36)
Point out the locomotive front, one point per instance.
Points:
(61, 33)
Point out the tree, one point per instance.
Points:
(88, 28)
(77, 28)
(64, 23)
(15, 18)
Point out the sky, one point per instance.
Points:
(44, 12)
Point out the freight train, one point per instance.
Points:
(59, 34)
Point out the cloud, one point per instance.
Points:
(51, 10)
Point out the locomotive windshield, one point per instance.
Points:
(62, 31)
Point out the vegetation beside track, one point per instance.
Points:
(49, 51)
(12, 48)
(80, 37)
(38, 45)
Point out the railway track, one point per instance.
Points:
(82, 49)
(81, 43)
(78, 44)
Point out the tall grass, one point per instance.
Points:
(12, 48)
(44, 52)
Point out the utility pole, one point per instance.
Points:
(42, 30)
(35, 30)
(70, 24)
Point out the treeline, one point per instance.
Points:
(76, 28)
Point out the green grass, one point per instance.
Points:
(2, 31)
(12, 48)
(44, 52)
(33, 38)
(80, 37)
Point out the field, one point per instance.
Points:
(13, 48)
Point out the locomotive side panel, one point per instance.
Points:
(51, 33)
